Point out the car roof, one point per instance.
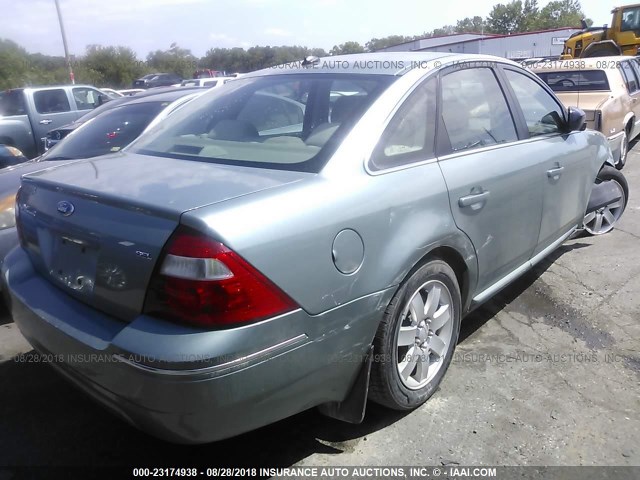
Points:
(380, 63)
(165, 96)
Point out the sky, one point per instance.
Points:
(147, 25)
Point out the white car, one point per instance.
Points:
(129, 91)
(206, 82)
(111, 93)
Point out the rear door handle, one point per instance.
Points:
(473, 199)
(555, 172)
(46, 121)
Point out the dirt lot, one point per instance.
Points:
(547, 373)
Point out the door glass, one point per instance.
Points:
(474, 110)
(630, 20)
(86, 98)
(410, 136)
(629, 76)
(51, 101)
(541, 112)
(12, 103)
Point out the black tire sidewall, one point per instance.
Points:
(623, 160)
(610, 173)
(403, 397)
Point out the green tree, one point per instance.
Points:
(346, 48)
(109, 66)
(14, 64)
(174, 60)
(376, 44)
(505, 18)
(470, 25)
(562, 13)
(516, 16)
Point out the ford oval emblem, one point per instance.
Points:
(66, 208)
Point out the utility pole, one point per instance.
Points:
(64, 42)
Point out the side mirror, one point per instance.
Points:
(10, 156)
(576, 120)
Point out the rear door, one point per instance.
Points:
(493, 178)
(565, 169)
(51, 109)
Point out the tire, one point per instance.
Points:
(430, 352)
(624, 150)
(601, 49)
(605, 219)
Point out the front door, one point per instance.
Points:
(495, 191)
(565, 170)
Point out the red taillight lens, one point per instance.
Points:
(202, 282)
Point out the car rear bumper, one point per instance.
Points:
(186, 385)
(8, 241)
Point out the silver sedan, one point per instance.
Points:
(309, 235)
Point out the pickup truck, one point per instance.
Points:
(27, 114)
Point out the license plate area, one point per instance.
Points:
(74, 263)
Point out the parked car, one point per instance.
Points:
(130, 91)
(208, 73)
(108, 132)
(157, 80)
(26, 114)
(111, 93)
(57, 134)
(215, 277)
(607, 89)
(206, 82)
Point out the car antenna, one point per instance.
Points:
(310, 60)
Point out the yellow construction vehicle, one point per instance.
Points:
(621, 38)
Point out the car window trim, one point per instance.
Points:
(422, 156)
(367, 160)
(454, 155)
(626, 80)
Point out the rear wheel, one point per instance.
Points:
(416, 338)
(604, 219)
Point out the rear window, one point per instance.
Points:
(12, 103)
(577, 80)
(107, 133)
(290, 122)
(51, 101)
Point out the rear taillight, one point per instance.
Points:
(202, 282)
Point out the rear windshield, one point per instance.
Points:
(109, 132)
(289, 122)
(12, 103)
(576, 81)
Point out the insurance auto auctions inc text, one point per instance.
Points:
(379, 472)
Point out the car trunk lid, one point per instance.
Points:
(96, 228)
(590, 102)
